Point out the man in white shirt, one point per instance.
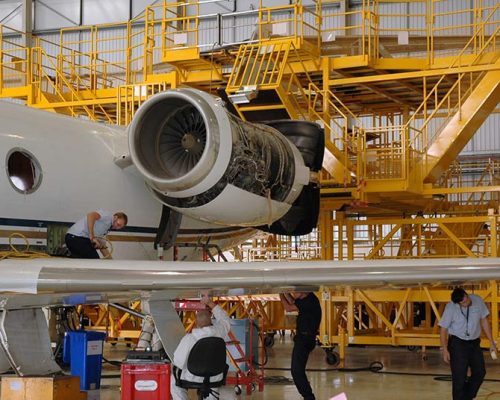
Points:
(461, 325)
(82, 238)
(205, 327)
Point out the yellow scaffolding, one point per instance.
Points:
(398, 104)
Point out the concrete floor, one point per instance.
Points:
(356, 385)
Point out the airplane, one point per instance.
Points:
(186, 171)
(190, 175)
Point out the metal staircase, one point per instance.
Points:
(263, 86)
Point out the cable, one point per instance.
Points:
(25, 253)
(374, 366)
(113, 363)
(110, 376)
(277, 380)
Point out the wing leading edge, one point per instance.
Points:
(100, 280)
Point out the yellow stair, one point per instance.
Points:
(463, 125)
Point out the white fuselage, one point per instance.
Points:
(79, 175)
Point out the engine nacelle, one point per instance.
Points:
(203, 162)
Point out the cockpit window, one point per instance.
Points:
(24, 171)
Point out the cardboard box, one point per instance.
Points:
(41, 388)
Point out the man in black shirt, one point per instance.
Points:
(308, 320)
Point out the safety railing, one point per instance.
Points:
(342, 126)
(475, 174)
(260, 66)
(296, 95)
(14, 59)
(289, 21)
(385, 156)
(179, 25)
(131, 97)
(481, 30)
(101, 55)
(49, 79)
(440, 104)
(444, 100)
(149, 42)
(358, 25)
(282, 248)
(423, 237)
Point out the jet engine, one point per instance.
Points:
(202, 161)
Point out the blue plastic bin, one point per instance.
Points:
(83, 351)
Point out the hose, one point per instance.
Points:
(107, 245)
(374, 366)
(25, 253)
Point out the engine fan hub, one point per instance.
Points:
(191, 143)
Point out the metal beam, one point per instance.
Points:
(381, 92)
(27, 23)
(456, 190)
(410, 75)
(455, 239)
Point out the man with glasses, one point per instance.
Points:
(84, 237)
(461, 325)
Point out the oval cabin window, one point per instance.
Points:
(24, 171)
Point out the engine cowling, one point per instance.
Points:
(204, 162)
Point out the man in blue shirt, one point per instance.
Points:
(83, 237)
(461, 325)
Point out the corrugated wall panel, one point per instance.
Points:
(494, 20)
(392, 18)
(487, 138)
(137, 48)
(208, 36)
(111, 44)
(354, 20)
(417, 21)
(333, 18)
(239, 28)
(50, 43)
(454, 16)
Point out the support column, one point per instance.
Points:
(340, 219)
(27, 25)
(326, 232)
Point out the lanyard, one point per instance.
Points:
(466, 319)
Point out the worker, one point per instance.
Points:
(84, 237)
(308, 320)
(461, 326)
(205, 327)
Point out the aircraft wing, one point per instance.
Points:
(67, 281)
(27, 285)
